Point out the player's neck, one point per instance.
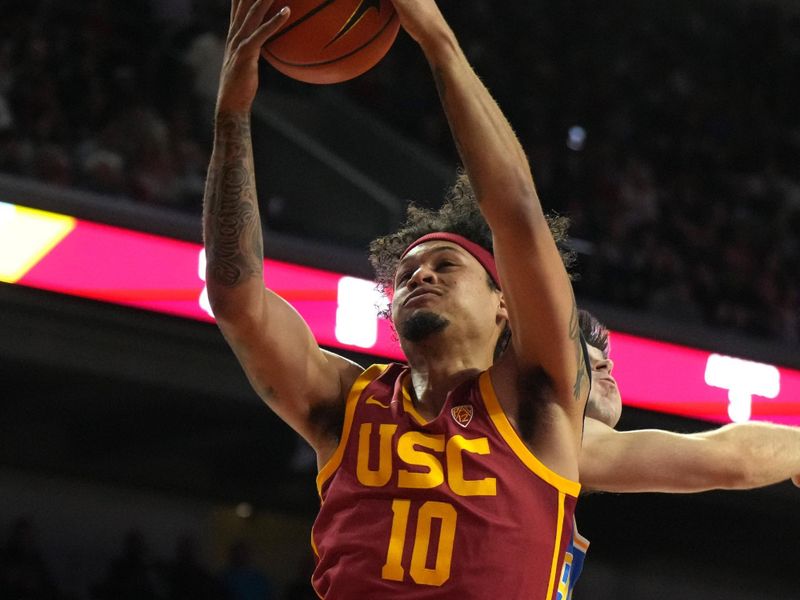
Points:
(435, 373)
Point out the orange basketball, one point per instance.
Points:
(328, 41)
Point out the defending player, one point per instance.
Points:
(423, 474)
(739, 456)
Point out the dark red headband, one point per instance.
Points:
(481, 254)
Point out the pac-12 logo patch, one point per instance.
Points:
(462, 414)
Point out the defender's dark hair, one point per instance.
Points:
(459, 214)
(594, 332)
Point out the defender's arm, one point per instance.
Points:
(738, 456)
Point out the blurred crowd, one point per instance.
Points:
(667, 131)
(135, 574)
(110, 96)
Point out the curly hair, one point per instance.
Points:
(459, 214)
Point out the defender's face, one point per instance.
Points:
(441, 279)
(605, 403)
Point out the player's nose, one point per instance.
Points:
(605, 365)
(422, 275)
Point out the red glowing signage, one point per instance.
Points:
(703, 385)
(80, 258)
(76, 257)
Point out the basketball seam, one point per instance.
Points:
(338, 58)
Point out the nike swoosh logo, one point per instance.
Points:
(371, 400)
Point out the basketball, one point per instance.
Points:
(330, 41)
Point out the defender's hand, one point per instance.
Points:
(247, 33)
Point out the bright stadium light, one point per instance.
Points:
(357, 312)
(743, 379)
(576, 138)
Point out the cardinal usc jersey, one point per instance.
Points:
(457, 507)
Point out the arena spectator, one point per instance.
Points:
(242, 579)
(185, 576)
(132, 575)
(24, 575)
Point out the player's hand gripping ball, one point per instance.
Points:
(329, 41)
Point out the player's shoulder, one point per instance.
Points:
(596, 436)
(355, 378)
(348, 370)
(593, 427)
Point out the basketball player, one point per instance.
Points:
(425, 470)
(739, 456)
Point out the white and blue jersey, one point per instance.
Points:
(573, 564)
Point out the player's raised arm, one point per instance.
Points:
(739, 456)
(274, 345)
(535, 284)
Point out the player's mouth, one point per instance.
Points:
(420, 295)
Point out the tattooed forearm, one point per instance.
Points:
(580, 360)
(232, 225)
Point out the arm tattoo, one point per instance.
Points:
(575, 336)
(232, 223)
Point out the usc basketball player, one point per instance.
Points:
(454, 476)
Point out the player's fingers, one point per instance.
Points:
(251, 20)
(260, 36)
(242, 22)
(236, 8)
(256, 13)
(796, 480)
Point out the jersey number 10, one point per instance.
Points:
(444, 512)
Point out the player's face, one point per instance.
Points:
(605, 403)
(440, 286)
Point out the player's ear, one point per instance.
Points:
(502, 309)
